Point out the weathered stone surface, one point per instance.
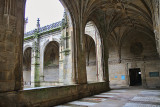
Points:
(46, 97)
(121, 25)
(9, 41)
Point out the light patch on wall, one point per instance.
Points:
(122, 77)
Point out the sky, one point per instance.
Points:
(49, 11)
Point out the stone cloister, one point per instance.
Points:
(98, 44)
(55, 51)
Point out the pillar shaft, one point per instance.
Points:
(66, 74)
(80, 55)
(11, 45)
(156, 23)
(35, 68)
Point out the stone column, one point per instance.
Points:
(41, 63)
(105, 60)
(66, 74)
(35, 62)
(35, 67)
(99, 58)
(11, 44)
(156, 23)
(79, 56)
(61, 62)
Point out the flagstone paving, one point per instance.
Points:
(128, 97)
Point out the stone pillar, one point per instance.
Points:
(35, 66)
(80, 56)
(11, 44)
(105, 61)
(35, 62)
(66, 74)
(156, 23)
(143, 75)
(78, 50)
(61, 62)
(41, 63)
(99, 58)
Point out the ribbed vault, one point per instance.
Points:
(110, 14)
(114, 20)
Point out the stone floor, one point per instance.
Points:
(120, 97)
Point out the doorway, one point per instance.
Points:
(135, 77)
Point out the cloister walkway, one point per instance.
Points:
(120, 97)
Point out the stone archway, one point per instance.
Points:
(93, 45)
(91, 68)
(27, 67)
(51, 62)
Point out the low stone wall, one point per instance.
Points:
(50, 96)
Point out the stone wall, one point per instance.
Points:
(137, 51)
(46, 97)
(116, 71)
(91, 73)
(51, 73)
(26, 77)
(152, 66)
